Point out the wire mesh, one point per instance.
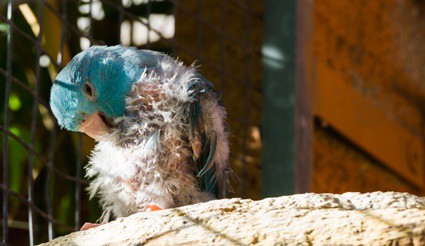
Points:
(40, 37)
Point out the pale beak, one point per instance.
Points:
(95, 126)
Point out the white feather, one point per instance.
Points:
(148, 157)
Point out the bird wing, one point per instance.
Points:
(209, 138)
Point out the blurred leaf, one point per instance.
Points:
(4, 28)
(19, 154)
(65, 207)
(14, 102)
(15, 130)
(19, 157)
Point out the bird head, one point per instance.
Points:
(89, 93)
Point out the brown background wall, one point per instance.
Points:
(368, 95)
(217, 41)
(369, 54)
(364, 73)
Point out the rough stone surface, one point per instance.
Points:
(378, 218)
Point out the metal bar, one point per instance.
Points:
(41, 159)
(78, 185)
(77, 213)
(209, 64)
(34, 124)
(221, 32)
(50, 164)
(48, 178)
(64, 20)
(26, 88)
(91, 22)
(131, 32)
(6, 124)
(73, 28)
(131, 16)
(201, 23)
(69, 177)
(148, 23)
(278, 158)
(36, 209)
(175, 45)
(211, 26)
(120, 20)
(303, 111)
(19, 140)
(135, 18)
(29, 38)
(81, 34)
(183, 49)
(246, 100)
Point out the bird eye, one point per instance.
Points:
(88, 89)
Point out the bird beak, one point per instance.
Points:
(96, 125)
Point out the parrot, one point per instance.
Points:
(159, 126)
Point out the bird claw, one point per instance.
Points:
(152, 207)
(89, 225)
(149, 208)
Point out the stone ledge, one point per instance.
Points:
(378, 218)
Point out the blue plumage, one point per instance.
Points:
(160, 128)
(112, 71)
(204, 161)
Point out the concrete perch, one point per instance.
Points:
(378, 218)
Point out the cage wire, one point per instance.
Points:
(42, 174)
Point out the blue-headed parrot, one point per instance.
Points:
(159, 126)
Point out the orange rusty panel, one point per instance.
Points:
(372, 51)
(355, 117)
(376, 47)
(339, 168)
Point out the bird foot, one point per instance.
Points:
(89, 225)
(152, 207)
(149, 208)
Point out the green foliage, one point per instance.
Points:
(14, 102)
(60, 191)
(3, 28)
